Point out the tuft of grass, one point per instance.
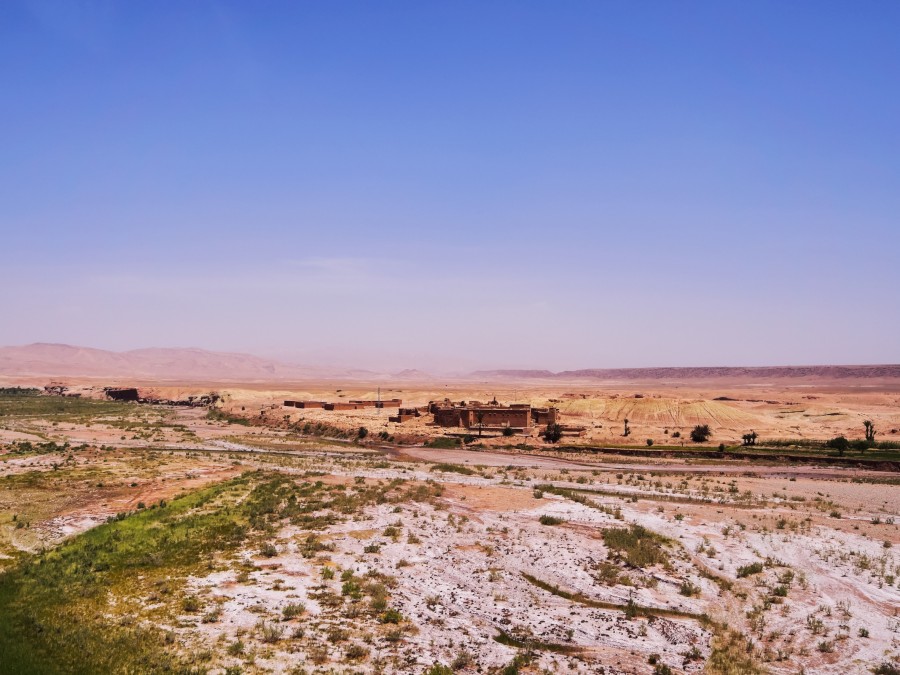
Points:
(747, 570)
(636, 546)
(453, 468)
(550, 520)
(270, 633)
(292, 610)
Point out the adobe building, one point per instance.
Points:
(340, 406)
(476, 415)
(387, 403)
(405, 414)
(304, 404)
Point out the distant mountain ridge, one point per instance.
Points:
(59, 360)
(698, 373)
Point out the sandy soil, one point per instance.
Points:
(824, 598)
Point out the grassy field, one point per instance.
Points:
(56, 610)
(98, 601)
(60, 408)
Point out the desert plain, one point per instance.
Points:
(244, 536)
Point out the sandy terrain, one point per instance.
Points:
(475, 575)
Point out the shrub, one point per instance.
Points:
(550, 520)
(747, 570)
(649, 442)
(701, 433)
(688, 589)
(886, 668)
(212, 616)
(439, 669)
(268, 550)
(355, 652)
(292, 610)
(190, 604)
(269, 633)
(637, 545)
(391, 616)
(508, 431)
(362, 433)
(552, 433)
(461, 661)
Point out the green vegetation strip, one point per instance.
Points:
(578, 495)
(94, 604)
(630, 608)
(505, 638)
(454, 468)
(60, 408)
(53, 605)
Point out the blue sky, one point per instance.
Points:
(455, 185)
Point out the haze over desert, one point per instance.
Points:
(449, 338)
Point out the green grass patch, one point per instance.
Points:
(454, 468)
(550, 520)
(530, 643)
(637, 546)
(82, 607)
(61, 408)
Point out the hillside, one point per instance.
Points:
(700, 373)
(58, 360)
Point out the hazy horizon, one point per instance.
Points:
(453, 187)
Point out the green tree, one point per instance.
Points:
(701, 433)
(552, 433)
(870, 432)
(840, 444)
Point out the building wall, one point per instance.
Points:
(506, 417)
(340, 406)
(471, 418)
(545, 415)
